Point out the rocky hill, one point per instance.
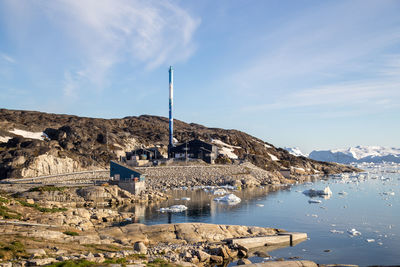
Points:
(36, 143)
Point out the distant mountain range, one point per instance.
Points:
(376, 154)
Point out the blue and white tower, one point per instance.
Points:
(171, 105)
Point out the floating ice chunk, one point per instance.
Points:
(312, 192)
(229, 199)
(389, 193)
(174, 208)
(336, 231)
(353, 232)
(314, 201)
(219, 192)
(370, 240)
(260, 205)
(314, 215)
(380, 243)
(185, 198)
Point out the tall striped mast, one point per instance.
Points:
(171, 105)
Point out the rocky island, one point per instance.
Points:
(56, 194)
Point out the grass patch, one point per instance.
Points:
(7, 213)
(71, 233)
(116, 261)
(15, 249)
(4, 200)
(39, 208)
(160, 263)
(47, 188)
(72, 263)
(103, 247)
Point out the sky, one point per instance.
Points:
(306, 73)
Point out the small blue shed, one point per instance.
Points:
(124, 172)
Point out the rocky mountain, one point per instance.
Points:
(35, 143)
(295, 151)
(376, 154)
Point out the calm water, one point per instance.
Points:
(364, 207)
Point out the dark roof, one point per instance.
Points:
(127, 166)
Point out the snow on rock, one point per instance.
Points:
(4, 139)
(295, 151)
(229, 199)
(225, 149)
(174, 208)
(31, 135)
(376, 154)
(273, 157)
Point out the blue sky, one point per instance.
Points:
(313, 74)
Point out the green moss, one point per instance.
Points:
(71, 233)
(39, 208)
(47, 188)
(116, 261)
(71, 263)
(7, 213)
(160, 263)
(15, 249)
(4, 200)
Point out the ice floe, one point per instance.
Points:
(353, 232)
(314, 201)
(174, 208)
(229, 199)
(313, 193)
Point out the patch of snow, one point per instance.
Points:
(4, 139)
(174, 208)
(185, 198)
(273, 157)
(370, 240)
(225, 149)
(31, 135)
(229, 199)
(314, 201)
(267, 146)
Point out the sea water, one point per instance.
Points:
(369, 203)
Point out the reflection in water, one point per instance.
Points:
(367, 205)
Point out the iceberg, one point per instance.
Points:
(229, 199)
(313, 193)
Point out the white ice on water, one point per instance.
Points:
(174, 208)
(353, 232)
(229, 199)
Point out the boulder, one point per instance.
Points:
(140, 247)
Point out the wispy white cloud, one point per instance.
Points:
(7, 58)
(104, 33)
(329, 41)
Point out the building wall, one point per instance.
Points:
(132, 187)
